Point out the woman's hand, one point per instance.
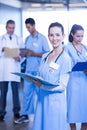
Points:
(85, 71)
(37, 82)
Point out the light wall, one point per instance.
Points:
(44, 18)
(8, 12)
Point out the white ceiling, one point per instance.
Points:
(46, 4)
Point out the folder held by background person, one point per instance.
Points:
(11, 52)
(80, 66)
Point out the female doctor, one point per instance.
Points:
(77, 88)
(51, 103)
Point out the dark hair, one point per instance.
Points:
(10, 22)
(56, 24)
(74, 28)
(30, 21)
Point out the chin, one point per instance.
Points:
(55, 46)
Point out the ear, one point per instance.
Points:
(72, 34)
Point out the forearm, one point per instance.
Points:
(32, 53)
(38, 54)
(62, 84)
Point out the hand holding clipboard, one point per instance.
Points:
(80, 66)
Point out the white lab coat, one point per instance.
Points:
(9, 65)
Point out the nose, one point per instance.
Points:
(54, 37)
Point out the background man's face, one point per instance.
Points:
(10, 28)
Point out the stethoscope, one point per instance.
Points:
(79, 54)
(55, 59)
(4, 38)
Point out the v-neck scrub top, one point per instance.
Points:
(77, 88)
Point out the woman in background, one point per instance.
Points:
(77, 85)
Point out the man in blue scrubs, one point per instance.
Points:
(36, 45)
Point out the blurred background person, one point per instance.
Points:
(8, 65)
(36, 45)
(77, 88)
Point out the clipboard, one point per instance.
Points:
(26, 77)
(80, 66)
(11, 52)
(23, 49)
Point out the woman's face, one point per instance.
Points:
(78, 36)
(55, 36)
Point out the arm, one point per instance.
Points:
(60, 88)
(62, 84)
(32, 53)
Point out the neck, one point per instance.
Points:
(57, 50)
(34, 33)
(55, 53)
(78, 47)
(76, 44)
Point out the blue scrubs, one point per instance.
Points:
(51, 105)
(38, 44)
(77, 88)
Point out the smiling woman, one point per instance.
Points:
(51, 102)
